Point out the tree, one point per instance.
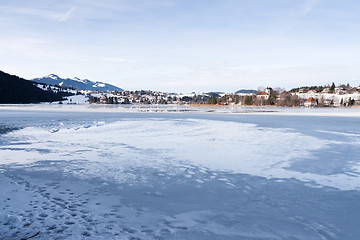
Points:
(272, 97)
(351, 102)
(185, 99)
(248, 100)
(322, 101)
(109, 100)
(212, 100)
(237, 100)
(332, 88)
(169, 99)
(14, 89)
(93, 99)
(295, 101)
(126, 101)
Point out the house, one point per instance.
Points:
(268, 90)
(284, 94)
(312, 91)
(340, 91)
(326, 90)
(263, 95)
(310, 102)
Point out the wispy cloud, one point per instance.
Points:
(98, 7)
(66, 15)
(115, 60)
(47, 13)
(308, 6)
(292, 20)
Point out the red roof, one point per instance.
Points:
(311, 99)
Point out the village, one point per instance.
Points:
(316, 96)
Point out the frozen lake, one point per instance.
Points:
(99, 172)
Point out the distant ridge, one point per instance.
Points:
(76, 83)
(245, 91)
(14, 89)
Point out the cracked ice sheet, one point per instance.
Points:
(110, 151)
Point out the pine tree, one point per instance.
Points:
(332, 88)
(212, 100)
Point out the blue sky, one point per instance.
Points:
(183, 45)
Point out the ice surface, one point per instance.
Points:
(84, 106)
(196, 175)
(110, 150)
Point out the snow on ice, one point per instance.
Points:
(196, 175)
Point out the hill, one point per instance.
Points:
(76, 83)
(245, 91)
(14, 89)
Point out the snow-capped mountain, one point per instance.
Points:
(76, 83)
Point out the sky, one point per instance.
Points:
(184, 45)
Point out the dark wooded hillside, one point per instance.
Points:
(14, 89)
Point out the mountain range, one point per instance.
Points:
(76, 83)
(245, 91)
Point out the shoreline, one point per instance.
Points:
(201, 108)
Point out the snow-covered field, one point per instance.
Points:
(97, 172)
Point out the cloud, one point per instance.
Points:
(308, 6)
(292, 20)
(96, 6)
(115, 60)
(66, 15)
(44, 12)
